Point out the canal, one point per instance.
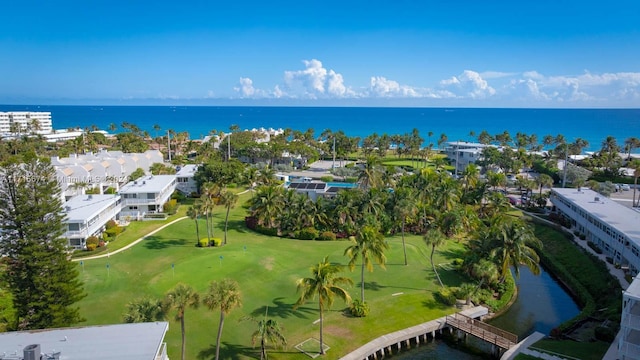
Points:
(542, 304)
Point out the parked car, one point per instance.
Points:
(625, 187)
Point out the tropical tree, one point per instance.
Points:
(434, 238)
(145, 310)
(635, 165)
(228, 199)
(269, 331)
(193, 213)
(325, 283)
(181, 297)
(513, 245)
(224, 296)
(544, 180)
(405, 208)
(368, 245)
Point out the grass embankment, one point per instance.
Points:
(596, 291)
(266, 269)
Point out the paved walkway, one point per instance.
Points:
(132, 244)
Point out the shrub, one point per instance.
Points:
(306, 234)
(267, 231)
(327, 235)
(604, 333)
(110, 224)
(445, 296)
(609, 259)
(351, 180)
(327, 178)
(113, 232)
(178, 196)
(594, 247)
(171, 207)
(91, 247)
(216, 242)
(204, 242)
(359, 308)
(457, 262)
(582, 237)
(93, 240)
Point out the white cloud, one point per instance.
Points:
(245, 88)
(530, 87)
(469, 84)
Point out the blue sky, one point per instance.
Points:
(370, 53)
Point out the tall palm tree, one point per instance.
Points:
(635, 165)
(434, 238)
(544, 180)
(368, 245)
(268, 205)
(269, 331)
(144, 310)
(193, 213)
(405, 208)
(514, 244)
(181, 297)
(370, 176)
(228, 199)
(326, 284)
(224, 296)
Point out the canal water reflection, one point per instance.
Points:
(542, 304)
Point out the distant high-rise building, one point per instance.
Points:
(25, 122)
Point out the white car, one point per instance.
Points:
(625, 187)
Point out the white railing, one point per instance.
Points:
(162, 354)
(136, 201)
(629, 350)
(630, 321)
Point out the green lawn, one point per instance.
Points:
(586, 350)
(266, 269)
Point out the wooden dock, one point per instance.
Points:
(387, 344)
(491, 334)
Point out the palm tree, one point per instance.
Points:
(514, 244)
(225, 296)
(144, 310)
(325, 283)
(368, 245)
(434, 238)
(635, 165)
(269, 331)
(193, 213)
(181, 297)
(544, 180)
(405, 207)
(370, 177)
(229, 200)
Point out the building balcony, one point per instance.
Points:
(630, 321)
(136, 201)
(629, 350)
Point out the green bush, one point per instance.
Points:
(91, 247)
(267, 231)
(204, 242)
(93, 240)
(327, 178)
(327, 235)
(170, 207)
(359, 308)
(110, 224)
(216, 242)
(178, 196)
(351, 180)
(604, 333)
(113, 232)
(445, 296)
(306, 234)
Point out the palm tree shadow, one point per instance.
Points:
(282, 310)
(451, 254)
(373, 285)
(228, 351)
(433, 304)
(157, 243)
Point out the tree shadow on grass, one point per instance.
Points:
(237, 225)
(373, 285)
(229, 351)
(282, 310)
(450, 254)
(435, 305)
(156, 243)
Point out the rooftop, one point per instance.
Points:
(621, 218)
(187, 170)
(140, 341)
(147, 184)
(82, 207)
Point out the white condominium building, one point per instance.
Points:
(609, 225)
(87, 215)
(146, 195)
(25, 122)
(462, 153)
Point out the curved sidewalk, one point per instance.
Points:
(132, 244)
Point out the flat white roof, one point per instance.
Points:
(139, 341)
(187, 170)
(622, 218)
(465, 143)
(147, 184)
(83, 207)
(633, 291)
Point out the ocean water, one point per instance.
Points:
(593, 125)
